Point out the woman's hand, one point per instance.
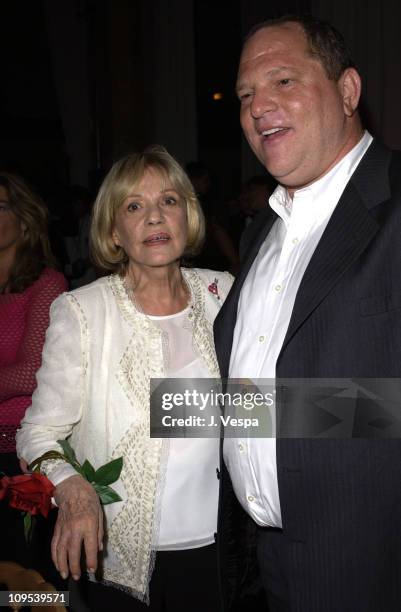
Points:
(79, 521)
(24, 466)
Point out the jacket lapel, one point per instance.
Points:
(348, 233)
(225, 321)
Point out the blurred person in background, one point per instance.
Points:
(219, 251)
(79, 269)
(255, 195)
(29, 282)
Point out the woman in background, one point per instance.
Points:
(29, 283)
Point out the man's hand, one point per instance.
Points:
(79, 521)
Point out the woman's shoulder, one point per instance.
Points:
(47, 286)
(217, 283)
(85, 301)
(92, 291)
(51, 276)
(211, 275)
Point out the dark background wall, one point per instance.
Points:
(85, 81)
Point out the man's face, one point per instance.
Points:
(298, 122)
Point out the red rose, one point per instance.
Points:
(29, 492)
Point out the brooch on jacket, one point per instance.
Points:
(214, 289)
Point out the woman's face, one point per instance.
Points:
(10, 226)
(151, 224)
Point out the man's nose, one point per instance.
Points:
(263, 102)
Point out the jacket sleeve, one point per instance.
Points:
(58, 400)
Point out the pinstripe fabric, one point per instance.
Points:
(341, 499)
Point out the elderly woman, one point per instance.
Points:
(150, 318)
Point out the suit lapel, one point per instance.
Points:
(348, 233)
(225, 322)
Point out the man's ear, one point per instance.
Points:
(350, 84)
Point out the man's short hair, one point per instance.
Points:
(324, 40)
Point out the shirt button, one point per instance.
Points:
(277, 288)
(251, 498)
(261, 338)
(241, 448)
(295, 241)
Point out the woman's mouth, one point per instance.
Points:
(155, 239)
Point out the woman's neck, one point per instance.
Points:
(7, 259)
(158, 291)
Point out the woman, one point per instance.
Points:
(28, 285)
(149, 319)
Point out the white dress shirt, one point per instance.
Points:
(264, 311)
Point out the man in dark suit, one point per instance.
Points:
(318, 297)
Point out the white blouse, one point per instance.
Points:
(188, 517)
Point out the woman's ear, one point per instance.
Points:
(115, 238)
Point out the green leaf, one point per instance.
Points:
(107, 495)
(29, 522)
(68, 451)
(109, 473)
(88, 471)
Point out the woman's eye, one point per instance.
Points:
(170, 200)
(4, 207)
(133, 206)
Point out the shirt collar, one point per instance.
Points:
(333, 184)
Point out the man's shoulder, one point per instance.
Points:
(378, 175)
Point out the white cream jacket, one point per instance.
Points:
(93, 385)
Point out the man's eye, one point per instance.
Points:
(244, 96)
(284, 81)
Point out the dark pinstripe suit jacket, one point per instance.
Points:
(340, 499)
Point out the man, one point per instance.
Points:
(318, 296)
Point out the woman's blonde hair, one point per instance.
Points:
(33, 252)
(116, 187)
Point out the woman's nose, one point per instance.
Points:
(155, 214)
